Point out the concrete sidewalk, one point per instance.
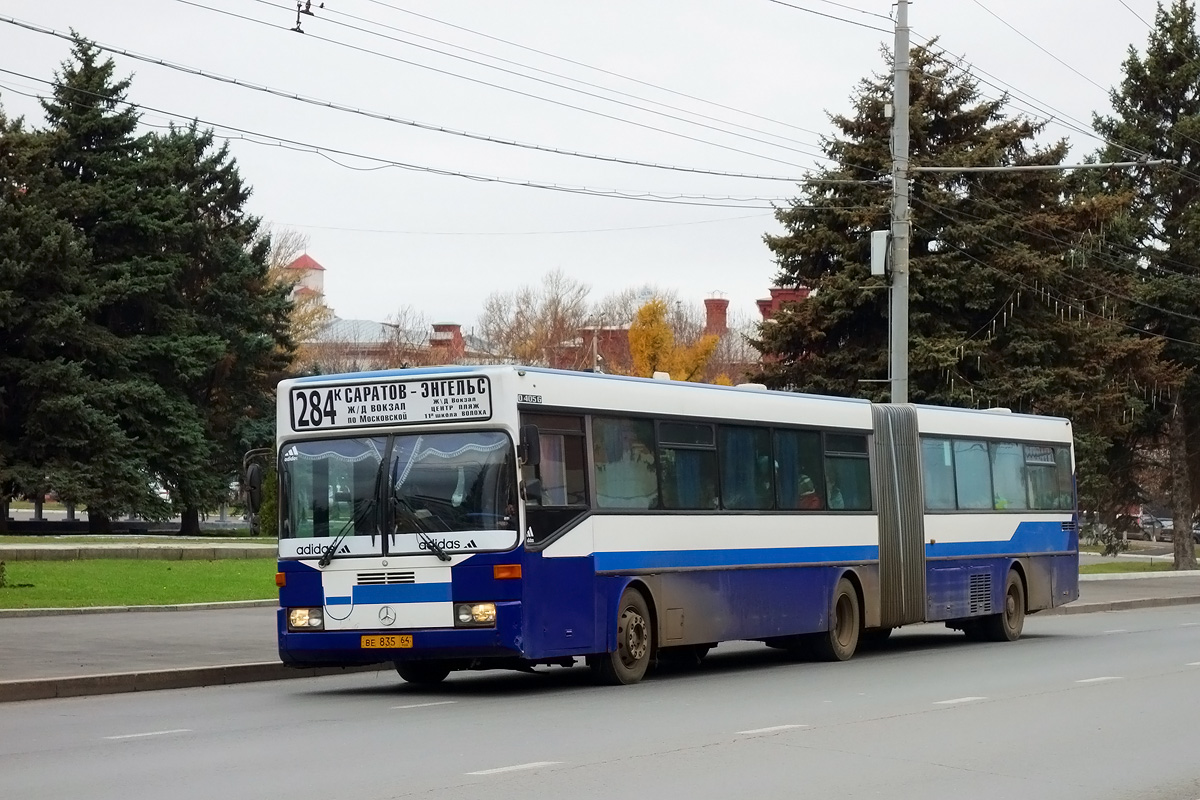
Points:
(70, 652)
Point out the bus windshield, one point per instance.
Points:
(413, 484)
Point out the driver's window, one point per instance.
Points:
(563, 466)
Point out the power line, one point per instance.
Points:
(538, 69)
(1139, 16)
(1042, 111)
(388, 118)
(830, 16)
(525, 233)
(530, 95)
(254, 137)
(547, 54)
(1038, 46)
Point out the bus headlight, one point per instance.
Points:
(306, 619)
(470, 615)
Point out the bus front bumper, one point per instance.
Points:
(346, 647)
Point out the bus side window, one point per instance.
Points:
(847, 472)
(1008, 476)
(688, 458)
(799, 477)
(746, 473)
(626, 470)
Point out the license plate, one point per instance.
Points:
(400, 640)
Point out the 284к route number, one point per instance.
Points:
(384, 403)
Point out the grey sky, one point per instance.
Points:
(449, 241)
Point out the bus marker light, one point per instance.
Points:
(506, 571)
(281, 579)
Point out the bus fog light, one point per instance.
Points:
(471, 614)
(306, 619)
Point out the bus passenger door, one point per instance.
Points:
(901, 506)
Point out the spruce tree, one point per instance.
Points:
(1003, 271)
(1156, 112)
(230, 318)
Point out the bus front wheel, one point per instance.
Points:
(841, 640)
(422, 672)
(635, 643)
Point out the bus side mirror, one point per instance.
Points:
(254, 486)
(531, 446)
(533, 492)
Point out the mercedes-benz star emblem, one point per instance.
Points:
(387, 616)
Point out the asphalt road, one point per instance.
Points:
(1084, 706)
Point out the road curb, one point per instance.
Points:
(60, 612)
(185, 678)
(1122, 605)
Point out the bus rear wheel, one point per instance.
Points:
(841, 640)
(635, 643)
(422, 672)
(1008, 624)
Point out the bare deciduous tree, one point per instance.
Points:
(537, 324)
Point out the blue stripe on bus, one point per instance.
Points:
(1029, 537)
(675, 559)
(339, 601)
(403, 593)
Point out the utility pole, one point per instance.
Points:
(898, 315)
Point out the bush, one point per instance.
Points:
(1110, 539)
(267, 519)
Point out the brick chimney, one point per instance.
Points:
(768, 306)
(716, 313)
(446, 342)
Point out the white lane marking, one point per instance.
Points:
(427, 705)
(958, 700)
(1193, 664)
(1098, 680)
(515, 767)
(771, 729)
(151, 733)
(1188, 624)
(1118, 630)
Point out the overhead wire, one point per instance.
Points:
(830, 16)
(513, 90)
(1015, 30)
(526, 233)
(601, 70)
(254, 137)
(320, 103)
(501, 59)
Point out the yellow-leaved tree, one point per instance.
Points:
(652, 346)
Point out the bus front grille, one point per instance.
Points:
(382, 578)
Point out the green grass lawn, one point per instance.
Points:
(122, 582)
(209, 537)
(1127, 565)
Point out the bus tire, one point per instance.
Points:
(1007, 625)
(635, 643)
(422, 672)
(845, 626)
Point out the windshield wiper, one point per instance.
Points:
(415, 519)
(351, 523)
(356, 518)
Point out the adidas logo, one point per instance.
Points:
(291, 454)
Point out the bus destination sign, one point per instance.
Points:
(384, 403)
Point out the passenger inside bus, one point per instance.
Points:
(806, 494)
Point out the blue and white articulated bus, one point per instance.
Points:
(472, 517)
